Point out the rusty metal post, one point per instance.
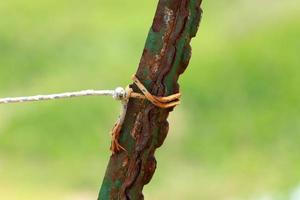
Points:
(166, 55)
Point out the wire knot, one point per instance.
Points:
(124, 95)
(161, 102)
(119, 94)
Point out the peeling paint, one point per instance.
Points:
(166, 55)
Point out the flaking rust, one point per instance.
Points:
(166, 55)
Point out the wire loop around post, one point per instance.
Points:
(161, 102)
(119, 94)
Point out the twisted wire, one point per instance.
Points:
(118, 94)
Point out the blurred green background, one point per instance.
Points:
(236, 135)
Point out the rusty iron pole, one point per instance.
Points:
(166, 55)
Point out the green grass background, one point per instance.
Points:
(236, 135)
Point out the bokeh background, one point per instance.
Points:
(236, 135)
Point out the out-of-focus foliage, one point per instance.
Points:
(235, 136)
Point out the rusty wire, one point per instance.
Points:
(119, 93)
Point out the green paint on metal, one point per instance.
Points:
(105, 189)
(129, 171)
(153, 43)
(182, 52)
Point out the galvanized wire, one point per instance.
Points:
(118, 94)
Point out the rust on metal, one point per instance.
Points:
(166, 55)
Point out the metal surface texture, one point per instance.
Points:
(166, 55)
